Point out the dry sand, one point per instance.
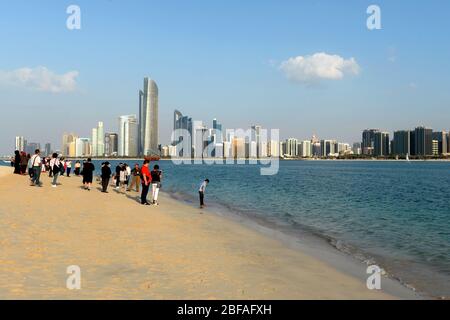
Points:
(129, 251)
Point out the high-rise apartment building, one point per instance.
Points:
(20, 143)
(402, 143)
(68, 144)
(305, 149)
(111, 144)
(423, 141)
(329, 148)
(48, 149)
(182, 126)
(441, 137)
(83, 147)
(381, 144)
(128, 136)
(368, 141)
(98, 142)
(292, 147)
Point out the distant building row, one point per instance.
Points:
(420, 142)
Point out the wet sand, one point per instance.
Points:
(129, 251)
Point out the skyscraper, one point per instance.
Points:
(100, 139)
(98, 142)
(184, 123)
(20, 143)
(423, 141)
(111, 144)
(292, 147)
(199, 139)
(68, 144)
(441, 138)
(402, 143)
(305, 149)
(148, 118)
(368, 141)
(328, 148)
(83, 147)
(48, 149)
(128, 136)
(94, 142)
(256, 137)
(381, 144)
(216, 139)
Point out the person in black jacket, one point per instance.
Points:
(117, 176)
(17, 162)
(88, 174)
(106, 175)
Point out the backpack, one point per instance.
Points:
(56, 167)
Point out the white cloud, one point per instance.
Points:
(40, 79)
(313, 68)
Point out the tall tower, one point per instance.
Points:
(148, 118)
(128, 136)
(100, 139)
(94, 144)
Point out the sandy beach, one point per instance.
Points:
(129, 251)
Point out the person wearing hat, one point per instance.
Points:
(106, 175)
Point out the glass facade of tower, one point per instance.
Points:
(128, 136)
(148, 119)
(402, 143)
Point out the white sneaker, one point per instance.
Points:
(53, 185)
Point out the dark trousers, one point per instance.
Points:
(202, 198)
(144, 193)
(117, 180)
(36, 175)
(68, 171)
(105, 183)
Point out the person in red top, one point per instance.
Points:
(146, 181)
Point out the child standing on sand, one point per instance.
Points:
(201, 192)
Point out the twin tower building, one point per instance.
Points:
(139, 137)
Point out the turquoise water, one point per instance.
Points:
(397, 213)
(394, 213)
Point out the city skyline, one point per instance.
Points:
(241, 72)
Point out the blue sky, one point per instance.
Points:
(222, 59)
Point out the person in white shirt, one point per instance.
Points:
(201, 192)
(36, 164)
(128, 175)
(123, 178)
(55, 164)
(68, 167)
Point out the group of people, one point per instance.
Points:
(124, 177)
(129, 179)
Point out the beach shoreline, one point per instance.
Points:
(173, 251)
